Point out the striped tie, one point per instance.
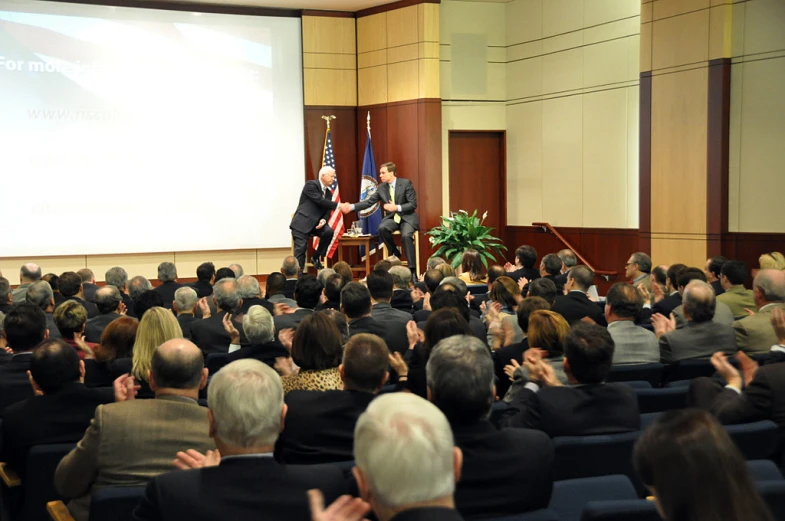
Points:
(396, 217)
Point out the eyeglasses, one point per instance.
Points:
(629, 264)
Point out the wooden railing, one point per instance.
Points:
(546, 227)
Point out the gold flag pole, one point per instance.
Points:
(328, 119)
(368, 122)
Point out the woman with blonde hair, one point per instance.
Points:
(773, 261)
(446, 270)
(158, 325)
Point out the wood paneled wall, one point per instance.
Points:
(329, 61)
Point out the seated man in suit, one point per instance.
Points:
(380, 286)
(356, 305)
(575, 305)
(754, 334)
(550, 268)
(88, 283)
(320, 425)
(738, 298)
(128, 443)
(568, 260)
(70, 285)
(209, 333)
(205, 278)
(260, 331)
(452, 294)
(672, 300)
(118, 278)
(722, 313)
(701, 337)
(240, 481)
(402, 289)
(147, 300)
(40, 294)
(306, 294)
(544, 288)
(333, 284)
(184, 305)
(275, 290)
(28, 274)
(525, 259)
(290, 268)
(713, 272)
(750, 395)
(167, 275)
(137, 286)
(108, 301)
(6, 296)
(638, 270)
(24, 328)
(312, 216)
(589, 406)
(251, 294)
(432, 278)
(633, 344)
(63, 408)
(504, 472)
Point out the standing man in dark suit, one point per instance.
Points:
(310, 218)
(88, 284)
(356, 305)
(70, 284)
(209, 333)
(399, 201)
(504, 472)
(167, 274)
(40, 294)
(25, 328)
(108, 302)
(575, 305)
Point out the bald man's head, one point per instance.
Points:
(769, 286)
(178, 364)
(699, 302)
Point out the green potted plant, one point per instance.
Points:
(461, 232)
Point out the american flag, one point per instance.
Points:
(336, 218)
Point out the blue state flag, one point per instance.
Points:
(371, 217)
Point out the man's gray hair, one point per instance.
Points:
(248, 287)
(237, 269)
(290, 267)
(226, 294)
(116, 277)
(567, 257)
(326, 170)
(137, 286)
(401, 434)
(699, 303)
(402, 276)
(107, 299)
(460, 375)
(463, 289)
(86, 275)
(167, 272)
(246, 399)
(435, 261)
(186, 299)
(31, 271)
(324, 274)
(258, 325)
(643, 261)
(771, 284)
(40, 294)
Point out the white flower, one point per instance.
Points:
(484, 215)
(464, 211)
(433, 241)
(449, 218)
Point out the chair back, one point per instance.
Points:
(570, 496)
(39, 481)
(477, 289)
(627, 510)
(688, 369)
(544, 514)
(764, 470)
(638, 384)
(659, 400)
(773, 493)
(651, 373)
(590, 456)
(755, 440)
(114, 503)
(215, 361)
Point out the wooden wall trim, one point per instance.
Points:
(400, 4)
(193, 7)
(329, 14)
(399, 103)
(718, 147)
(644, 165)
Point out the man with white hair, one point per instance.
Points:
(40, 294)
(209, 333)
(237, 269)
(118, 278)
(28, 274)
(260, 331)
(184, 306)
(313, 212)
(251, 293)
(167, 275)
(241, 480)
(755, 334)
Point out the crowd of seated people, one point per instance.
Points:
(322, 370)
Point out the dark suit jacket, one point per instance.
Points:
(203, 288)
(88, 290)
(129, 305)
(395, 338)
(428, 514)
(209, 334)
(266, 353)
(240, 489)
(92, 309)
(405, 197)
(402, 300)
(96, 325)
(666, 306)
(576, 305)
(61, 417)
(319, 426)
(697, 340)
(504, 472)
(14, 384)
(478, 328)
(717, 287)
(389, 317)
(288, 288)
(166, 290)
(185, 321)
(503, 357)
(312, 207)
(291, 319)
(328, 304)
(529, 273)
(54, 333)
(581, 410)
(255, 301)
(559, 284)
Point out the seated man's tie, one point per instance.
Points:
(396, 217)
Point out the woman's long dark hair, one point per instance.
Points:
(696, 471)
(471, 263)
(317, 343)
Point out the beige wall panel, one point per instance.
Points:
(524, 164)
(403, 81)
(372, 59)
(473, 18)
(669, 250)
(445, 81)
(145, 264)
(329, 61)
(187, 262)
(738, 29)
(596, 12)
(669, 8)
(428, 82)
(612, 30)
(646, 47)
(561, 16)
(605, 63)
(562, 42)
(329, 35)
(403, 53)
(402, 26)
(633, 166)
(497, 81)
(562, 161)
(679, 112)
(562, 71)
(633, 57)
(680, 40)
(372, 33)
(429, 22)
(720, 32)
(734, 145)
(524, 50)
(330, 87)
(372, 86)
(605, 193)
(269, 260)
(765, 26)
(524, 79)
(429, 50)
(524, 21)
(647, 12)
(10, 266)
(762, 152)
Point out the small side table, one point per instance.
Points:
(362, 240)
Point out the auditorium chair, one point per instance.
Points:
(665, 399)
(215, 361)
(688, 369)
(544, 514)
(647, 418)
(477, 289)
(106, 504)
(651, 373)
(570, 496)
(624, 510)
(764, 470)
(590, 456)
(638, 384)
(407, 262)
(756, 440)
(773, 493)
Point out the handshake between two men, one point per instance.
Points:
(347, 207)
